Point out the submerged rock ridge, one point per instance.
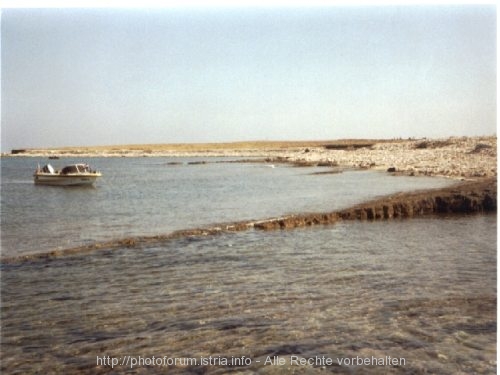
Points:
(464, 198)
(470, 197)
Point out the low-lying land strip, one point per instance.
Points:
(455, 157)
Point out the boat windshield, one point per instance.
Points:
(83, 168)
(75, 168)
(69, 169)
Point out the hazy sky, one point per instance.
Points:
(120, 76)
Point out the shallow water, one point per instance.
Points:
(423, 290)
(148, 196)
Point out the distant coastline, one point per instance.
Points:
(454, 157)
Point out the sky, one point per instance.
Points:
(108, 76)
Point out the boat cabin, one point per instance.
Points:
(76, 168)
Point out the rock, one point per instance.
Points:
(480, 147)
(465, 198)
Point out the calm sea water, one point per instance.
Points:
(149, 196)
(422, 289)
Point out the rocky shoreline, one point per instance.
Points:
(454, 157)
(468, 197)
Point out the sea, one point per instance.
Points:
(411, 296)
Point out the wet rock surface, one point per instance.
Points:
(463, 198)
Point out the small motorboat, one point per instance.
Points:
(71, 175)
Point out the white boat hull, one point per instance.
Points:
(66, 180)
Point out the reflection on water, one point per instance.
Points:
(422, 289)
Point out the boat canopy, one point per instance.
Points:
(75, 168)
